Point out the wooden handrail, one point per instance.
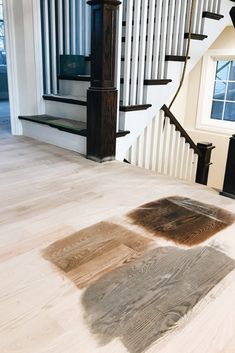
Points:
(180, 128)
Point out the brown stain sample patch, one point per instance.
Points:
(143, 300)
(91, 252)
(182, 220)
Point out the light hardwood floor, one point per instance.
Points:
(47, 194)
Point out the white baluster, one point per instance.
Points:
(182, 28)
(199, 17)
(142, 52)
(53, 53)
(156, 45)
(160, 143)
(87, 29)
(194, 172)
(170, 26)
(186, 161)
(60, 27)
(73, 27)
(149, 145)
(127, 60)
(155, 133)
(177, 156)
(171, 150)
(47, 62)
(162, 54)
(135, 52)
(80, 27)
(166, 143)
(176, 27)
(67, 27)
(149, 60)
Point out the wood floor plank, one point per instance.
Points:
(82, 246)
(92, 270)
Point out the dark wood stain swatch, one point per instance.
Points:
(93, 251)
(182, 220)
(144, 299)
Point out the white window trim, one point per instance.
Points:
(204, 122)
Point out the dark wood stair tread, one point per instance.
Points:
(85, 78)
(77, 101)
(157, 82)
(180, 58)
(212, 15)
(196, 36)
(88, 78)
(65, 99)
(67, 125)
(131, 108)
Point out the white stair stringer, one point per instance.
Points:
(137, 121)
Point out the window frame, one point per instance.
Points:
(207, 83)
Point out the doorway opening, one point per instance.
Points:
(5, 125)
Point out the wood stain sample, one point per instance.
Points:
(182, 220)
(94, 251)
(141, 301)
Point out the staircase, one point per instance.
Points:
(151, 41)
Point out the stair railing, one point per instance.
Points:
(66, 30)
(165, 147)
(152, 30)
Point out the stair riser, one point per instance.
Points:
(73, 88)
(55, 137)
(64, 110)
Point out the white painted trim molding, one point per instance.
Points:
(16, 126)
(24, 60)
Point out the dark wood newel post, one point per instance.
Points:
(102, 95)
(229, 179)
(204, 162)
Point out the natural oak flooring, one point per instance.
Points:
(183, 220)
(48, 194)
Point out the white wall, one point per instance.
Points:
(186, 107)
(24, 59)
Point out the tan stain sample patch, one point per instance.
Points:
(88, 254)
(141, 301)
(182, 220)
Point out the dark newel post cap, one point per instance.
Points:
(233, 136)
(205, 145)
(232, 15)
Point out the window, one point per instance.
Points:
(223, 103)
(216, 106)
(2, 37)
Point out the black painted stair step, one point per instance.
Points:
(150, 82)
(65, 99)
(158, 82)
(212, 15)
(84, 78)
(131, 108)
(74, 100)
(196, 36)
(180, 58)
(67, 125)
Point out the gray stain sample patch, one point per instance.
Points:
(141, 301)
(182, 220)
